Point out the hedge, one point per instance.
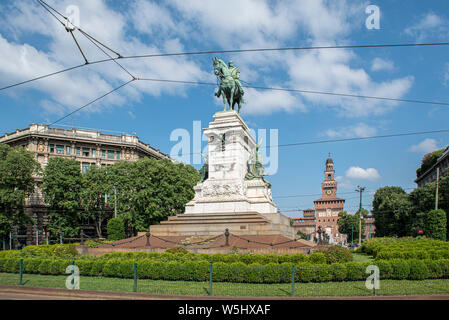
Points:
(233, 272)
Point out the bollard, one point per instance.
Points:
(293, 281)
(21, 272)
(135, 277)
(210, 280)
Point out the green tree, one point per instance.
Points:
(17, 167)
(348, 224)
(302, 235)
(150, 190)
(62, 186)
(435, 224)
(392, 211)
(423, 200)
(96, 186)
(116, 229)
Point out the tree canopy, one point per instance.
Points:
(17, 167)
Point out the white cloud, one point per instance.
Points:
(379, 64)
(266, 102)
(362, 174)
(172, 26)
(359, 130)
(430, 25)
(425, 146)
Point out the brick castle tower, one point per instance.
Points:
(328, 206)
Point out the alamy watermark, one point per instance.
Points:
(192, 146)
(373, 20)
(372, 282)
(73, 281)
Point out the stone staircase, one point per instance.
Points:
(204, 224)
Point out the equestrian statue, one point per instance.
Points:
(230, 87)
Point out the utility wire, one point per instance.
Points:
(305, 91)
(385, 45)
(89, 103)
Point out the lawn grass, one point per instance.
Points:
(334, 289)
(362, 257)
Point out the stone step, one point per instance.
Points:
(216, 221)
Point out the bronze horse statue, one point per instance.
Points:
(229, 87)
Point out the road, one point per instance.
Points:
(39, 293)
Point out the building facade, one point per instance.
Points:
(329, 205)
(430, 175)
(88, 147)
(326, 210)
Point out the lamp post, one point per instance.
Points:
(360, 189)
(115, 201)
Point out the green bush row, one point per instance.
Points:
(433, 254)
(43, 251)
(316, 258)
(376, 245)
(233, 272)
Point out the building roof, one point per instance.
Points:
(42, 130)
(329, 199)
(441, 158)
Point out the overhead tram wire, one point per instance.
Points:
(91, 102)
(229, 51)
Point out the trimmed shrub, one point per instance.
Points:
(317, 257)
(116, 229)
(339, 271)
(323, 273)
(418, 270)
(385, 269)
(304, 273)
(356, 271)
(337, 254)
(401, 269)
(435, 269)
(435, 224)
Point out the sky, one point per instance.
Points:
(33, 43)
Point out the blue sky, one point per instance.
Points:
(33, 43)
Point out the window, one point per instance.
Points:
(52, 148)
(118, 155)
(68, 150)
(85, 166)
(86, 152)
(78, 151)
(59, 149)
(328, 176)
(110, 154)
(103, 153)
(94, 153)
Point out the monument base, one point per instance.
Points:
(229, 198)
(211, 224)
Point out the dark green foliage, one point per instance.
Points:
(62, 185)
(17, 167)
(428, 161)
(392, 210)
(339, 271)
(317, 257)
(418, 270)
(348, 224)
(337, 254)
(231, 272)
(116, 229)
(401, 269)
(435, 225)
